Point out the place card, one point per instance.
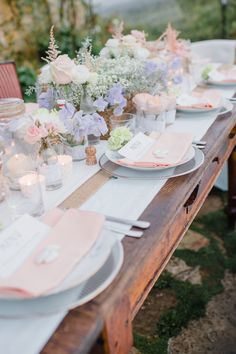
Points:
(137, 147)
(18, 241)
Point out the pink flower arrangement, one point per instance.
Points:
(44, 129)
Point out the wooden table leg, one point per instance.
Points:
(231, 208)
(117, 335)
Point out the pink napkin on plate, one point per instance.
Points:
(168, 149)
(206, 100)
(74, 233)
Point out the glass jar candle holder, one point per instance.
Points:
(30, 198)
(152, 122)
(50, 168)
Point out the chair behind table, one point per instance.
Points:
(9, 82)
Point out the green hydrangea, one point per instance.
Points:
(119, 137)
(206, 71)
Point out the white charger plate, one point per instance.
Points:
(220, 83)
(121, 172)
(225, 108)
(69, 299)
(86, 268)
(114, 156)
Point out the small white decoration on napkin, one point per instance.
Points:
(18, 241)
(136, 147)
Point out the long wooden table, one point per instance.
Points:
(104, 325)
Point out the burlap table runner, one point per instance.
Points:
(84, 192)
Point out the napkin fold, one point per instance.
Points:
(73, 234)
(167, 149)
(206, 100)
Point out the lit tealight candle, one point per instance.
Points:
(65, 162)
(17, 164)
(31, 183)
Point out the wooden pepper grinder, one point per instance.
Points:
(91, 155)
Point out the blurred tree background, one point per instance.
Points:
(25, 25)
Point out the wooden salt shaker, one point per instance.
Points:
(91, 155)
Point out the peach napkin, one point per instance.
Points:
(173, 145)
(74, 233)
(206, 100)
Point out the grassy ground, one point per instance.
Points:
(186, 301)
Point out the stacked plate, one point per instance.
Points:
(90, 277)
(11, 108)
(193, 159)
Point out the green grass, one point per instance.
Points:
(192, 299)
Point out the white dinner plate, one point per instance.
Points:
(69, 299)
(114, 156)
(196, 110)
(86, 268)
(227, 107)
(220, 83)
(127, 173)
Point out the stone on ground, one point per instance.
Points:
(181, 271)
(193, 241)
(216, 332)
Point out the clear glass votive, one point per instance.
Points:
(30, 198)
(127, 120)
(152, 122)
(51, 169)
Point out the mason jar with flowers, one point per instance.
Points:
(43, 131)
(79, 125)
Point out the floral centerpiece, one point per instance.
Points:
(132, 45)
(78, 126)
(42, 129)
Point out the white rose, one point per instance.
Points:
(129, 39)
(54, 119)
(114, 52)
(45, 77)
(62, 69)
(81, 74)
(93, 78)
(141, 53)
(104, 53)
(112, 43)
(42, 115)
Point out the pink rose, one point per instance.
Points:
(51, 127)
(43, 131)
(32, 135)
(62, 70)
(140, 101)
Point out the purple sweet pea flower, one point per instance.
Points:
(150, 67)
(115, 94)
(119, 109)
(46, 99)
(100, 104)
(67, 112)
(100, 124)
